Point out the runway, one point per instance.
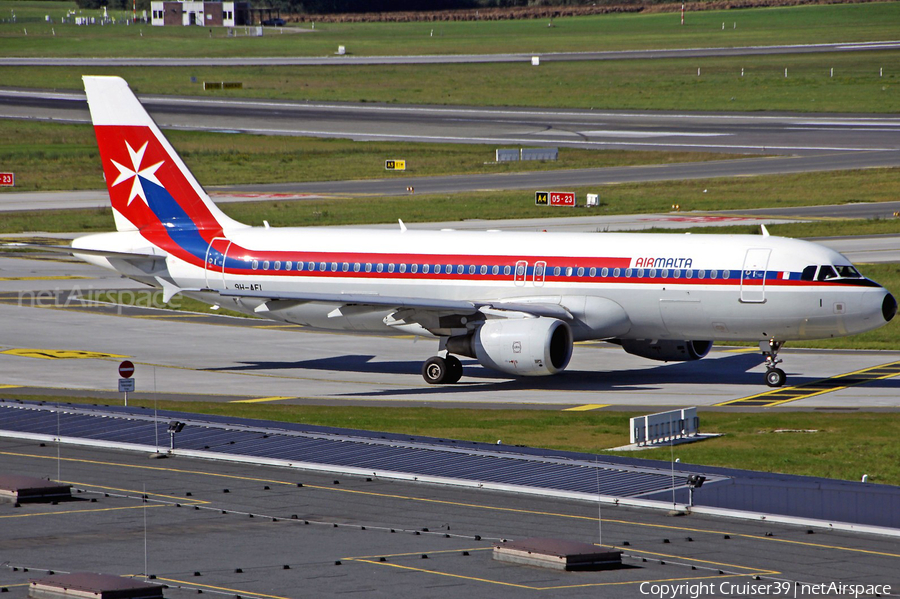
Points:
(270, 533)
(351, 60)
(810, 135)
(55, 344)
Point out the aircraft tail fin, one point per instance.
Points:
(150, 187)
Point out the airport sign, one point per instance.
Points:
(554, 198)
(7, 179)
(126, 369)
(395, 165)
(126, 386)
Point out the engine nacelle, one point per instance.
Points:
(525, 347)
(666, 350)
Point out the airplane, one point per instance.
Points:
(515, 302)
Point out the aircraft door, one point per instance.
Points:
(215, 262)
(521, 273)
(540, 268)
(753, 276)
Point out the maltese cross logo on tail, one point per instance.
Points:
(136, 173)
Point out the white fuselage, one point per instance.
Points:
(667, 286)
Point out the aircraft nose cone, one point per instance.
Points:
(888, 307)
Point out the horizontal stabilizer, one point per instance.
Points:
(65, 249)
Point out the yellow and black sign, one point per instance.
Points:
(541, 198)
(395, 165)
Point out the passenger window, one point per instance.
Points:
(426, 268)
(266, 265)
(640, 273)
(495, 270)
(616, 273)
(413, 269)
(460, 269)
(604, 272)
(403, 268)
(391, 267)
(483, 269)
(652, 273)
(507, 269)
(580, 271)
(556, 271)
(278, 265)
(368, 267)
(288, 265)
(471, 269)
(593, 272)
(356, 267)
(299, 266)
(379, 267)
(628, 273)
(345, 267)
(254, 265)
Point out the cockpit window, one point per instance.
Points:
(848, 272)
(809, 273)
(826, 273)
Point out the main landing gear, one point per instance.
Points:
(442, 370)
(775, 376)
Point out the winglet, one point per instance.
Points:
(764, 230)
(402, 226)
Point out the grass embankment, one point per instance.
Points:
(27, 148)
(846, 446)
(749, 27)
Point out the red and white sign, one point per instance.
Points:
(7, 179)
(562, 198)
(126, 369)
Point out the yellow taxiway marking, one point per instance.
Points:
(89, 511)
(10, 386)
(592, 518)
(783, 395)
(58, 354)
(557, 587)
(238, 592)
(586, 407)
(261, 399)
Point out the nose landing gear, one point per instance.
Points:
(775, 377)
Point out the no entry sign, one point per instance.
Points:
(126, 369)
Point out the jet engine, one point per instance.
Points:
(666, 350)
(525, 347)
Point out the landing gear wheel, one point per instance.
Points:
(454, 369)
(775, 377)
(436, 371)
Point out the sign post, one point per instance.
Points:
(126, 383)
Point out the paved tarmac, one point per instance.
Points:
(53, 343)
(730, 133)
(350, 59)
(195, 533)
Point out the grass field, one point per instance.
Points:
(807, 189)
(846, 446)
(857, 85)
(670, 84)
(787, 25)
(27, 148)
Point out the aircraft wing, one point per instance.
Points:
(461, 307)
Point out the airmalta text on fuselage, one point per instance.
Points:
(661, 262)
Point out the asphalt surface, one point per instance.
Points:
(351, 60)
(731, 133)
(55, 344)
(252, 531)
